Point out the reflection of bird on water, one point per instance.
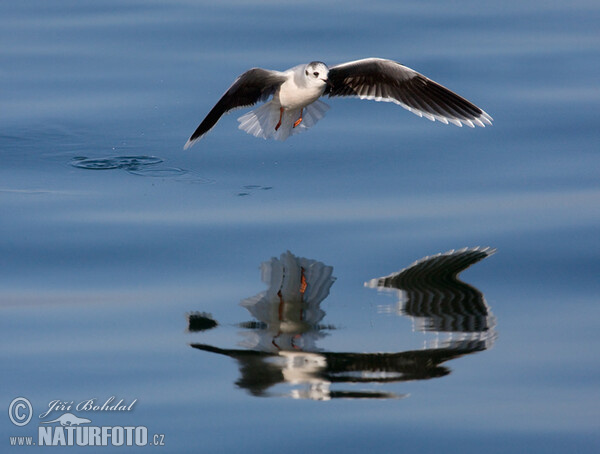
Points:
(262, 370)
(431, 293)
(281, 344)
(289, 309)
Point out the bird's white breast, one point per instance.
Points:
(296, 96)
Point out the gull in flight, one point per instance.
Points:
(295, 104)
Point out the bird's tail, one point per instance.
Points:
(261, 122)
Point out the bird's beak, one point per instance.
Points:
(327, 82)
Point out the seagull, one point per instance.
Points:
(295, 106)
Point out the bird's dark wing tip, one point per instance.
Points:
(194, 138)
(190, 143)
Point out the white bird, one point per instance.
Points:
(295, 104)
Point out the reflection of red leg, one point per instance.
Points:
(303, 282)
(299, 120)
(297, 336)
(281, 303)
(280, 115)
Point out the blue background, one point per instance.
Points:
(99, 268)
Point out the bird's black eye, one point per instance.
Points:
(306, 72)
(316, 74)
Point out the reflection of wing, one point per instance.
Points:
(391, 367)
(258, 374)
(433, 294)
(261, 370)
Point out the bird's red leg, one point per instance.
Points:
(280, 115)
(299, 120)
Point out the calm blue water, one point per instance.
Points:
(103, 258)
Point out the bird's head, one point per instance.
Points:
(316, 73)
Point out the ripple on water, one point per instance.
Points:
(145, 166)
(116, 162)
(250, 188)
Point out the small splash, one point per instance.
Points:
(250, 188)
(130, 163)
(144, 166)
(167, 172)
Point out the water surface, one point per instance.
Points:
(111, 235)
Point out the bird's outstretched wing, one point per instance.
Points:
(254, 85)
(387, 80)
